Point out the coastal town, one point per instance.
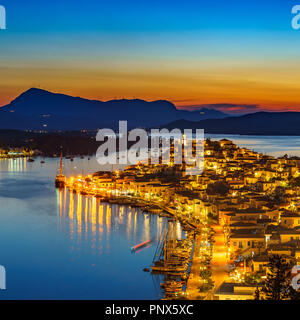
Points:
(11, 153)
(243, 209)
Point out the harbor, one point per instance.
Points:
(172, 261)
(90, 240)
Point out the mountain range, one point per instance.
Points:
(37, 109)
(259, 123)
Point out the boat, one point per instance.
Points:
(141, 245)
(166, 215)
(172, 256)
(31, 160)
(60, 180)
(153, 209)
(136, 205)
(114, 201)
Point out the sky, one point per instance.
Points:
(236, 56)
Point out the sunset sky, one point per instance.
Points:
(238, 56)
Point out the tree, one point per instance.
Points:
(257, 294)
(3, 144)
(278, 194)
(218, 187)
(295, 182)
(215, 145)
(294, 294)
(205, 274)
(277, 285)
(252, 278)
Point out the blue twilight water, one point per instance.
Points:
(276, 146)
(57, 245)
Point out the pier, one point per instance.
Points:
(172, 261)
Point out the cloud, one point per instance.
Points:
(226, 107)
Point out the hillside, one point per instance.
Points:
(42, 110)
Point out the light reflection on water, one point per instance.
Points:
(276, 146)
(59, 245)
(87, 218)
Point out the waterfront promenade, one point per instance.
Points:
(189, 224)
(192, 290)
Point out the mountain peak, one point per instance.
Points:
(32, 93)
(38, 109)
(34, 90)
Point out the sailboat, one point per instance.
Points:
(167, 257)
(61, 179)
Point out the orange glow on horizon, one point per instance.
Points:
(269, 85)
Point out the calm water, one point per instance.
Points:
(56, 245)
(273, 145)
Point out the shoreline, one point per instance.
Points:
(148, 207)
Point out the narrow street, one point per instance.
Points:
(219, 267)
(219, 262)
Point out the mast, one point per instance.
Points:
(166, 243)
(61, 163)
(159, 249)
(60, 180)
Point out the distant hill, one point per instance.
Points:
(42, 110)
(260, 123)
